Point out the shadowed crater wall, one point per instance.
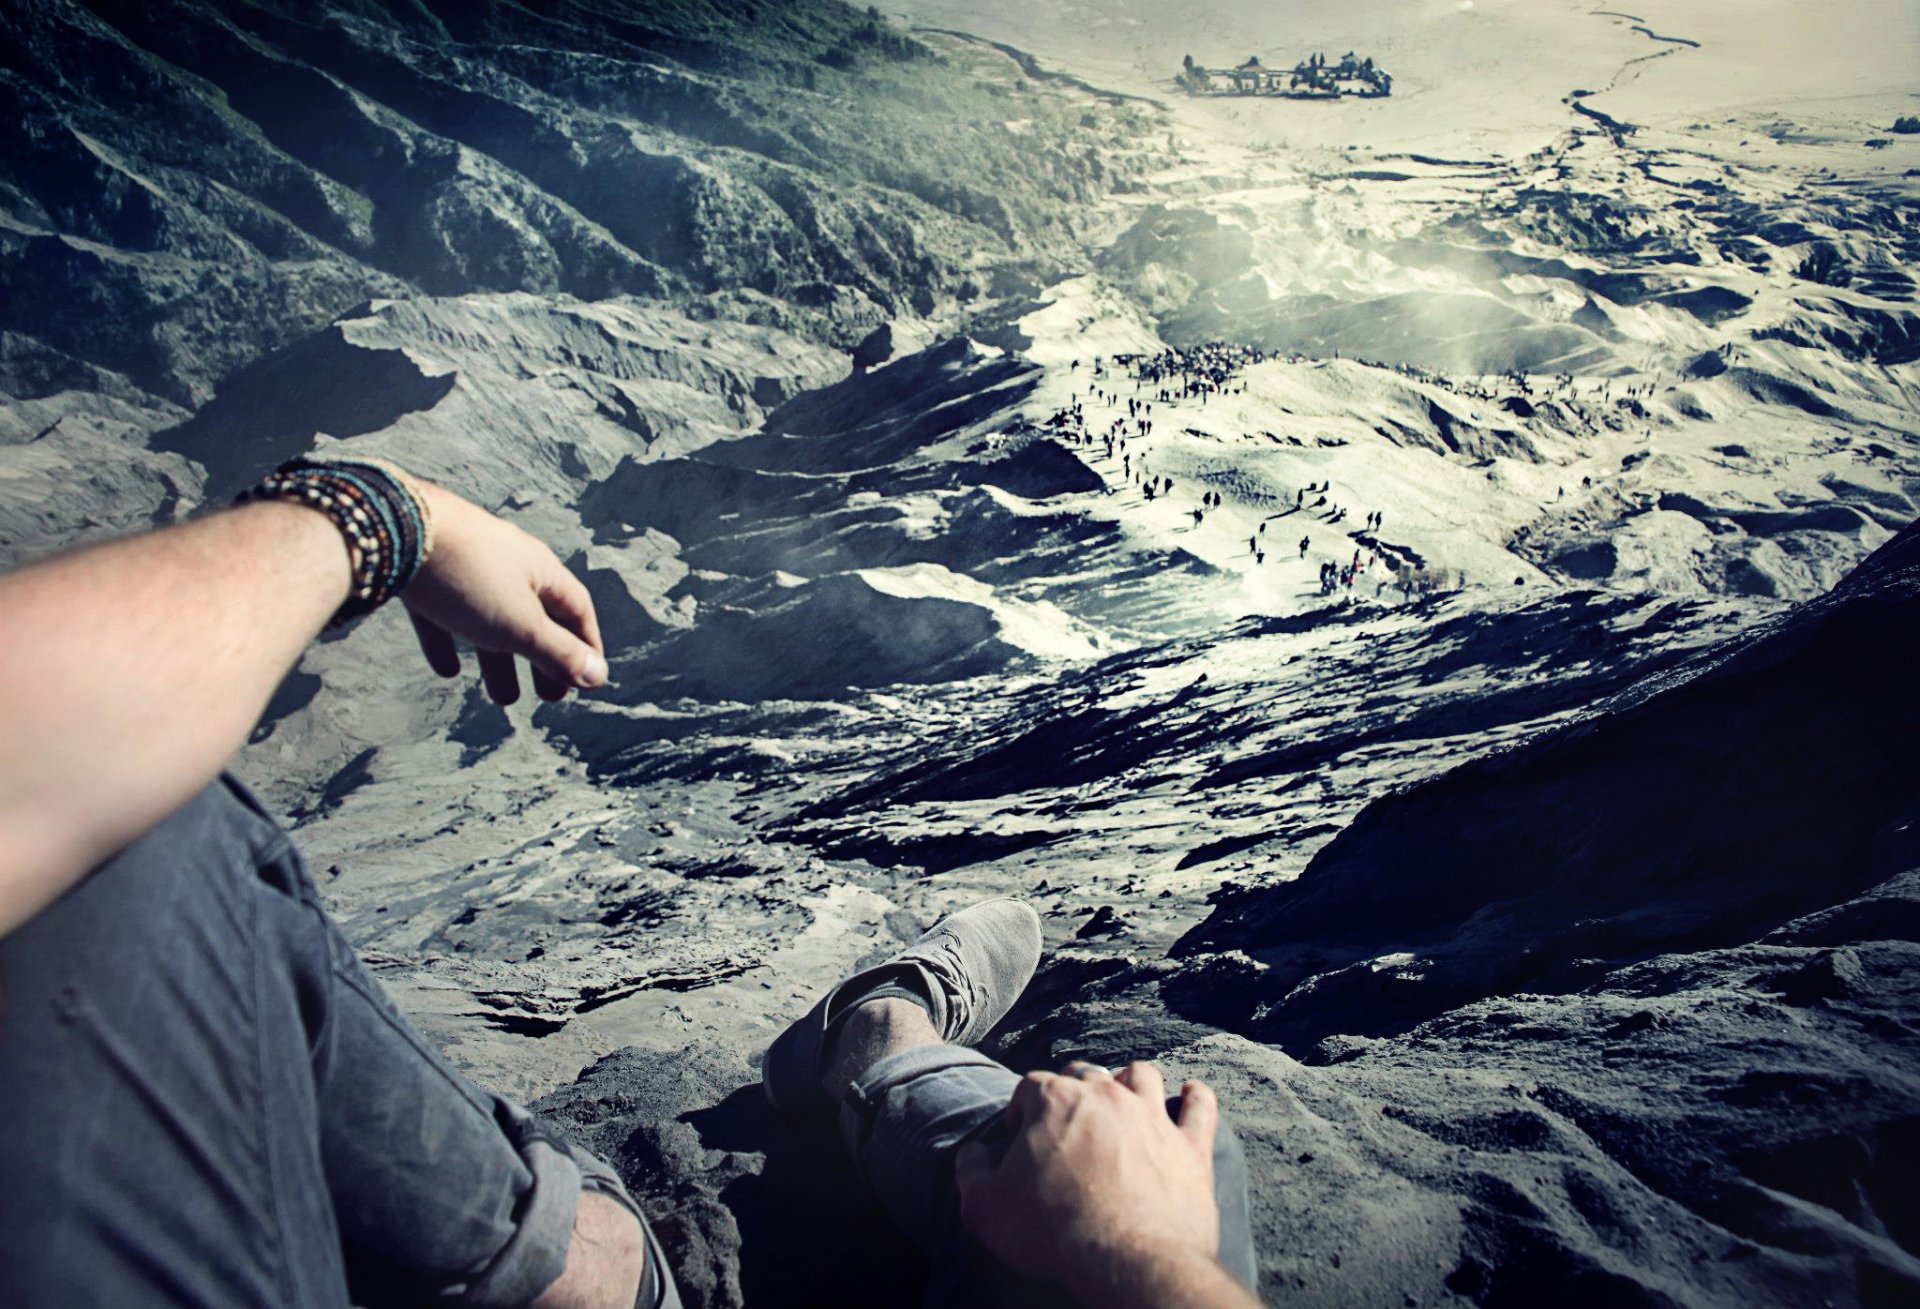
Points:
(1770, 778)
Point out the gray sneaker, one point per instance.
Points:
(967, 971)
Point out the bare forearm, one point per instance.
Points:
(135, 670)
(1166, 1282)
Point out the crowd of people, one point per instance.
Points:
(1188, 372)
(1336, 576)
(1194, 374)
(1129, 386)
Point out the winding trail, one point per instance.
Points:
(1652, 35)
(1640, 26)
(1618, 128)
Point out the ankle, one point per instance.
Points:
(870, 1033)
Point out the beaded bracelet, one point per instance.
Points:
(378, 509)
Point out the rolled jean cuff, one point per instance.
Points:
(597, 1175)
(657, 1288)
(536, 1254)
(864, 1097)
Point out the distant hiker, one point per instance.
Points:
(1198, 516)
(1263, 527)
(208, 1097)
(1304, 543)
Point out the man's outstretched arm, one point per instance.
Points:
(134, 670)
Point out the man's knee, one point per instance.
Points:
(606, 1259)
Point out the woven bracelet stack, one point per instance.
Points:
(385, 520)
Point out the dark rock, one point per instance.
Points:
(752, 1208)
(875, 348)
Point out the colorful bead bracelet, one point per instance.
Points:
(379, 511)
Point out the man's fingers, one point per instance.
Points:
(1199, 1115)
(566, 658)
(1027, 1092)
(569, 604)
(1144, 1080)
(1029, 1098)
(548, 688)
(497, 671)
(442, 655)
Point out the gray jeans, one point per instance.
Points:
(904, 1122)
(206, 1100)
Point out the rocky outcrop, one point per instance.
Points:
(224, 178)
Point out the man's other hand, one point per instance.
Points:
(1100, 1189)
(494, 586)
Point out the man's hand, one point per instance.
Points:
(491, 584)
(1104, 1193)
